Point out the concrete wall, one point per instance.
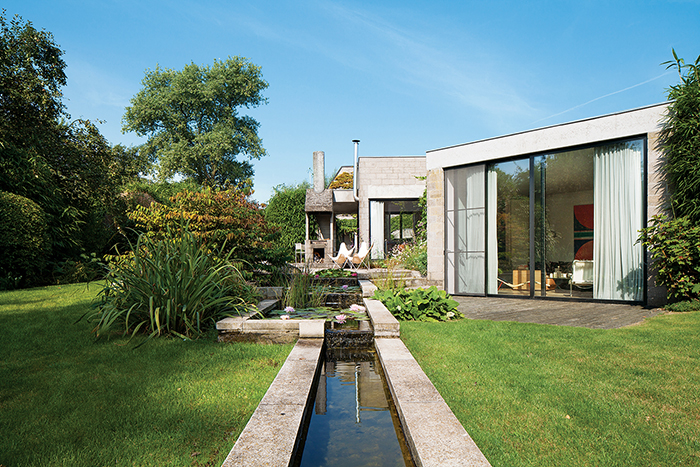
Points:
(387, 178)
(436, 225)
(657, 203)
(645, 121)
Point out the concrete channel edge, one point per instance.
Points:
(434, 435)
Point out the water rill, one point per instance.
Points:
(353, 422)
(275, 432)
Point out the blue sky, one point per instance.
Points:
(404, 76)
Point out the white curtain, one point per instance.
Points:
(617, 219)
(376, 228)
(466, 230)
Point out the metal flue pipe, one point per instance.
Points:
(354, 170)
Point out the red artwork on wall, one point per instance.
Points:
(583, 232)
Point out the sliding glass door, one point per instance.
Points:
(554, 225)
(511, 212)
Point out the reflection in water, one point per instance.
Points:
(352, 424)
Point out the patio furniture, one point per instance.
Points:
(582, 276)
(299, 252)
(343, 256)
(361, 256)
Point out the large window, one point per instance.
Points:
(557, 225)
(392, 222)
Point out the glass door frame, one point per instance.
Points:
(532, 217)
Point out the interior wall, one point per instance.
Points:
(560, 213)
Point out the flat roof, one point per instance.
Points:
(617, 125)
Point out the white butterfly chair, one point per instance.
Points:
(343, 256)
(361, 257)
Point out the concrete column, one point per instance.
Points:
(436, 225)
(319, 171)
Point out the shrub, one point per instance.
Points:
(286, 211)
(173, 285)
(342, 181)
(413, 255)
(221, 218)
(87, 268)
(24, 241)
(685, 306)
(428, 304)
(680, 138)
(675, 249)
(161, 192)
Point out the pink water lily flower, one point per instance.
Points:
(345, 286)
(284, 317)
(357, 308)
(289, 309)
(341, 318)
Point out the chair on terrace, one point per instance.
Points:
(361, 257)
(299, 252)
(343, 256)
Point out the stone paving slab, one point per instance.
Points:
(560, 313)
(270, 437)
(231, 324)
(433, 433)
(409, 382)
(367, 287)
(439, 437)
(312, 328)
(383, 322)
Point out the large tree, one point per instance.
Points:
(68, 169)
(31, 78)
(192, 121)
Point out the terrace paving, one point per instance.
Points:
(559, 313)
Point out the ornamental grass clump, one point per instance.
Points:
(301, 292)
(170, 286)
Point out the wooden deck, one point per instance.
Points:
(560, 313)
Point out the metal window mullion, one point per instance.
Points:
(532, 226)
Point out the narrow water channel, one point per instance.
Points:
(353, 422)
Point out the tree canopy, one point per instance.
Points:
(680, 138)
(192, 121)
(67, 169)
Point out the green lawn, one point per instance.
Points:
(542, 395)
(66, 400)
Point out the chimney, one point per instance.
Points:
(319, 171)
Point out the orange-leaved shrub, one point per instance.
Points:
(222, 219)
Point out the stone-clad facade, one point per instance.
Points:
(387, 178)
